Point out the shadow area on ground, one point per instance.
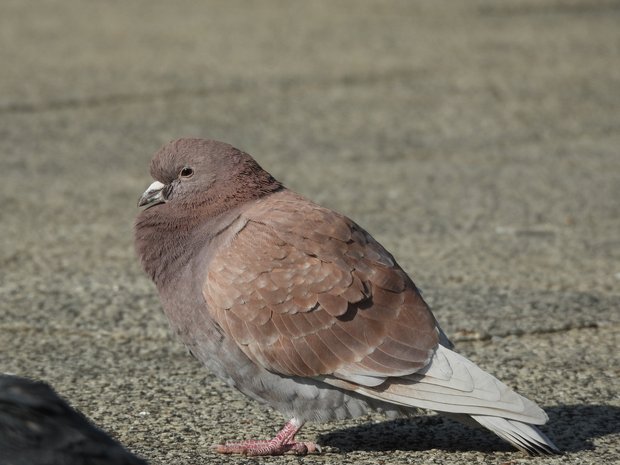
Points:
(571, 427)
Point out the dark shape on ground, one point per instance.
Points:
(37, 427)
(574, 428)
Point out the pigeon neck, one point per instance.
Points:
(167, 243)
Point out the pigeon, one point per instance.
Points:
(301, 309)
(37, 427)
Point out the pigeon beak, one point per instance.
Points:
(153, 195)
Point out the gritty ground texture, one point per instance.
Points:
(479, 141)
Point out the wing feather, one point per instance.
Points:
(305, 291)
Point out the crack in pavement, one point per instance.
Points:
(141, 335)
(238, 85)
(520, 333)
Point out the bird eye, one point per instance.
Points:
(186, 172)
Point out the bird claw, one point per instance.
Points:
(282, 443)
(256, 448)
(303, 448)
(313, 448)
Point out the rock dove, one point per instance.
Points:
(299, 308)
(37, 427)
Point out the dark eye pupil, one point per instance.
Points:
(185, 172)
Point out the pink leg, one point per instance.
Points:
(284, 442)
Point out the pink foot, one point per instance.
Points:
(283, 443)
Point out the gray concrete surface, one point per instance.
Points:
(479, 141)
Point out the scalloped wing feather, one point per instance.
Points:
(305, 291)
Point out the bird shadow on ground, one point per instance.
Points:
(571, 427)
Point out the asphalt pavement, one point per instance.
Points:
(478, 141)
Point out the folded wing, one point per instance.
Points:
(305, 291)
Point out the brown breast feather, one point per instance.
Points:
(305, 291)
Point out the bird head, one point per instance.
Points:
(190, 173)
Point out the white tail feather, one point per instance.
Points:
(525, 437)
(452, 384)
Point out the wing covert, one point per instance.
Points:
(305, 291)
